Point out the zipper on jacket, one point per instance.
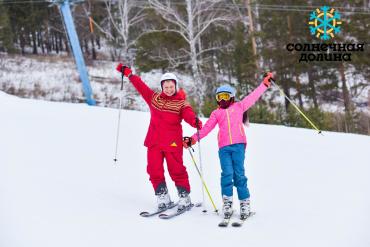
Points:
(229, 127)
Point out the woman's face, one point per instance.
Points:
(169, 87)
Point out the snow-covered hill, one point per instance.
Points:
(59, 186)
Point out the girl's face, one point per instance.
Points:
(169, 87)
(224, 104)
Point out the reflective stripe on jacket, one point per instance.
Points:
(166, 114)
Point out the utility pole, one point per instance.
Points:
(64, 6)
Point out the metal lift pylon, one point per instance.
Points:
(64, 6)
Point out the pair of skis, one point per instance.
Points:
(226, 220)
(162, 215)
(224, 223)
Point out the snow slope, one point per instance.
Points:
(59, 186)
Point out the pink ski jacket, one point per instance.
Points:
(230, 120)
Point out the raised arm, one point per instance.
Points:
(251, 98)
(140, 86)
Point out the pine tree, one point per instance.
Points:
(6, 33)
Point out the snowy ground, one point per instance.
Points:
(59, 186)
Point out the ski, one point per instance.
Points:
(170, 216)
(226, 220)
(240, 222)
(148, 214)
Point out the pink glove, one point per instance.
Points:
(267, 79)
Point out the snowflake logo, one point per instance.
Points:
(324, 23)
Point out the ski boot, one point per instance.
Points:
(227, 208)
(184, 200)
(163, 198)
(245, 208)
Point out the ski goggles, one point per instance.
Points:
(223, 96)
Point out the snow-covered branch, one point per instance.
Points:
(123, 15)
(169, 13)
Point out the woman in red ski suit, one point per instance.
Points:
(164, 137)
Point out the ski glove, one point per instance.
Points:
(126, 71)
(188, 142)
(267, 79)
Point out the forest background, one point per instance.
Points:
(208, 43)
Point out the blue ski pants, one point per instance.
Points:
(233, 173)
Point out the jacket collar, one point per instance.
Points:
(179, 95)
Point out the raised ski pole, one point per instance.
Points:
(296, 107)
(200, 162)
(203, 182)
(119, 118)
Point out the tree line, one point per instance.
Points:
(215, 41)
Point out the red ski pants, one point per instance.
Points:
(175, 167)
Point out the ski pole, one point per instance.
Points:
(203, 182)
(200, 162)
(119, 119)
(296, 107)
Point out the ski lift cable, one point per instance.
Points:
(271, 7)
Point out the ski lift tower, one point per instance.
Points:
(64, 6)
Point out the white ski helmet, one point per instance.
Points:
(169, 76)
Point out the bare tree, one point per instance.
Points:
(123, 18)
(191, 19)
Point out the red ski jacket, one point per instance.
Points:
(166, 112)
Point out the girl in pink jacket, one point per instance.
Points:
(231, 143)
